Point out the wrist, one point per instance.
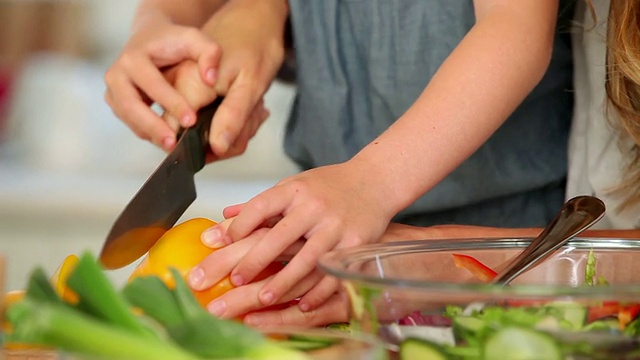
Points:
(192, 13)
(148, 17)
(387, 187)
(261, 23)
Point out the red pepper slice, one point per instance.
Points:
(624, 313)
(605, 310)
(477, 268)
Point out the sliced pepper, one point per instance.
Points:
(624, 313)
(477, 268)
(627, 314)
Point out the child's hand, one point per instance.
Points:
(317, 211)
(244, 299)
(334, 310)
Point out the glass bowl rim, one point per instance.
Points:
(335, 264)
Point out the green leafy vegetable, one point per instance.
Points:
(39, 288)
(60, 326)
(99, 298)
(106, 323)
(101, 325)
(590, 269)
(196, 330)
(157, 300)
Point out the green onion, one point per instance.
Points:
(99, 298)
(198, 331)
(103, 324)
(65, 328)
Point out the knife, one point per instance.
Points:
(163, 198)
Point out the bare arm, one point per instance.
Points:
(184, 12)
(250, 34)
(401, 232)
(480, 84)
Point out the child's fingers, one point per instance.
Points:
(335, 310)
(319, 294)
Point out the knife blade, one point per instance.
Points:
(162, 199)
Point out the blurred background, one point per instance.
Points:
(68, 166)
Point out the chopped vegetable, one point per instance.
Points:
(43, 318)
(59, 278)
(412, 348)
(528, 328)
(145, 321)
(98, 298)
(62, 327)
(477, 268)
(522, 344)
(590, 269)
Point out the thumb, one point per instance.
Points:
(232, 210)
(232, 115)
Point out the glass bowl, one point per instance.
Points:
(317, 343)
(417, 299)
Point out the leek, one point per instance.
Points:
(65, 328)
(103, 323)
(198, 331)
(99, 298)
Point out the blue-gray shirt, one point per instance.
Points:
(362, 63)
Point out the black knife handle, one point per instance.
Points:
(198, 135)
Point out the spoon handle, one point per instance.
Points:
(577, 215)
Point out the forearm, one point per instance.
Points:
(400, 232)
(258, 16)
(479, 85)
(249, 28)
(185, 12)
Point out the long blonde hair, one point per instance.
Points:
(623, 90)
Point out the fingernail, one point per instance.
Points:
(210, 76)
(186, 120)
(237, 280)
(212, 238)
(196, 277)
(266, 297)
(217, 307)
(304, 307)
(224, 141)
(168, 143)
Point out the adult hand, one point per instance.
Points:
(135, 80)
(401, 232)
(251, 36)
(186, 80)
(334, 310)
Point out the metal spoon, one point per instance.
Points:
(576, 215)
